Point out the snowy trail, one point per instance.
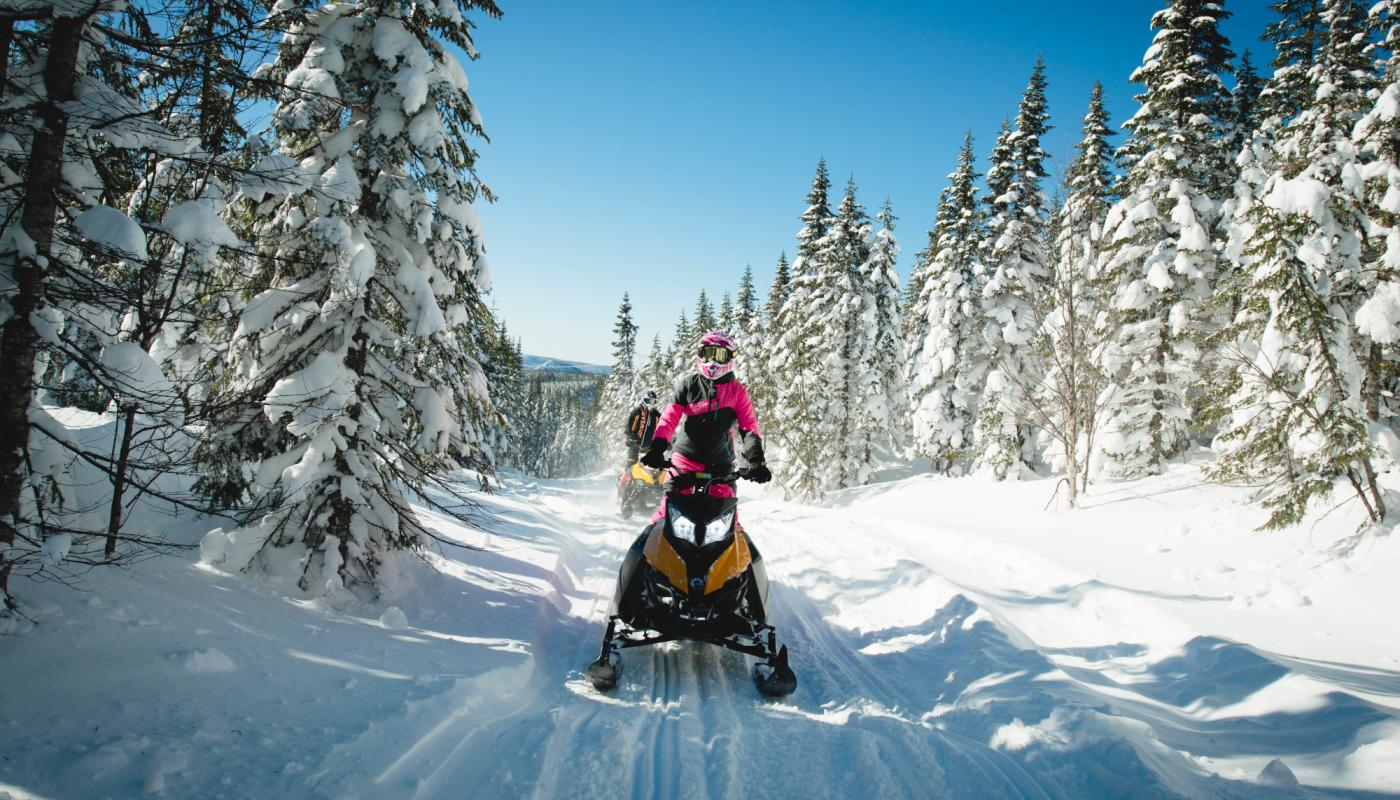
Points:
(908, 706)
(951, 654)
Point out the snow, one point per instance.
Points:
(1379, 316)
(1303, 195)
(107, 227)
(138, 380)
(195, 224)
(952, 637)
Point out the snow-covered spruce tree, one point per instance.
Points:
(747, 314)
(1298, 423)
(816, 221)
(656, 372)
(1377, 138)
(779, 290)
(537, 426)
(1159, 263)
(705, 319)
(817, 361)
(847, 349)
(880, 399)
(366, 348)
(758, 374)
(619, 389)
(682, 350)
(1296, 36)
(809, 422)
(1244, 118)
(915, 316)
(947, 361)
(577, 443)
(38, 86)
(724, 318)
(89, 276)
(504, 364)
(1067, 402)
(1016, 268)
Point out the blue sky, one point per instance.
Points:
(658, 147)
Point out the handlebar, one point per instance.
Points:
(685, 480)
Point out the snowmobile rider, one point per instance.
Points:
(711, 401)
(641, 425)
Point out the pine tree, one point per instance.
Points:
(1016, 269)
(810, 422)
(656, 373)
(1159, 263)
(620, 389)
(746, 314)
(724, 320)
(705, 319)
(1244, 117)
(48, 74)
(1067, 401)
(844, 252)
(880, 394)
(1377, 138)
(758, 372)
(366, 352)
(1296, 36)
(947, 361)
(1298, 422)
(816, 221)
(682, 350)
(915, 317)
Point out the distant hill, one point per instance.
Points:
(546, 364)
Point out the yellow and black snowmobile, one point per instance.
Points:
(695, 575)
(639, 489)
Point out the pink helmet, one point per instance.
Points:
(715, 355)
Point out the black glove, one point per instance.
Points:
(759, 473)
(655, 456)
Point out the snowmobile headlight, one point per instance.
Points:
(718, 527)
(681, 525)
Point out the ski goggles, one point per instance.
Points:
(715, 353)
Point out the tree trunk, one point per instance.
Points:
(114, 517)
(19, 340)
(7, 35)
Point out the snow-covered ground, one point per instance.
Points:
(952, 638)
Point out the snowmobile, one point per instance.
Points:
(695, 575)
(639, 489)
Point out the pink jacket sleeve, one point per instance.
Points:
(670, 418)
(743, 410)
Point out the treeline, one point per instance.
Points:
(1226, 277)
(288, 321)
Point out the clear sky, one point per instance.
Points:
(657, 147)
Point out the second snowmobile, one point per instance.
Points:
(695, 575)
(639, 489)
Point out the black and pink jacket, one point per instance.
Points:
(710, 409)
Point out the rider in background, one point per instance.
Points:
(710, 401)
(641, 425)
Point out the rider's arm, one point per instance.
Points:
(748, 425)
(671, 417)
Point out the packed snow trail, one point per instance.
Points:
(951, 639)
(912, 682)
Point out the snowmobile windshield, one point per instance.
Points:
(700, 508)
